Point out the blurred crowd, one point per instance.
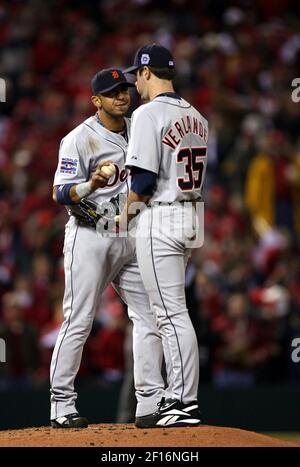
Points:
(236, 61)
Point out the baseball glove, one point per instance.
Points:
(89, 213)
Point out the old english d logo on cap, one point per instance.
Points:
(108, 79)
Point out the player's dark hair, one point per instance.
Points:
(163, 73)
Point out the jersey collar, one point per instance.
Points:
(174, 95)
(123, 132)
(104, 132)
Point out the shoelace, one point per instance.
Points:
(161, 402)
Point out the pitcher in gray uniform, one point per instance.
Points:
(91, 262)
(167, 157)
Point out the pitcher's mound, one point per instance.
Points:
(113, 435)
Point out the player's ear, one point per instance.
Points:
(147, 72)
(96, 101)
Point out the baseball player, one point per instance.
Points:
(91, 262)
(167, 157)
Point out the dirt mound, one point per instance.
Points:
(113, 435)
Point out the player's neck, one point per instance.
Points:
(111, 123)
(160, 88)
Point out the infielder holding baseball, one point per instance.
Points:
(167, 157)
(91, 168)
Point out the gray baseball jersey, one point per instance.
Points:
(91, 263)
(83, 148)
(169, 138)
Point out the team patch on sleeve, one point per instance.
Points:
(68, 165)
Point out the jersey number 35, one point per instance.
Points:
(194, 160)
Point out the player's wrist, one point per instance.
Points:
(84, 189)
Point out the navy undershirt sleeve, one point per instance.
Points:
(63, 194)
(143, 182)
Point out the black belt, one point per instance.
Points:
(84, 223)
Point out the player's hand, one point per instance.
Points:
(99, 179)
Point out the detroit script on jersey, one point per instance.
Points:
(83, 148)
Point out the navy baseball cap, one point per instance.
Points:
(151, 55)
(108, 79)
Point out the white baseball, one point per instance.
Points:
(109, 170)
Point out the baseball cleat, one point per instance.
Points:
(171, 413)
(72, 420)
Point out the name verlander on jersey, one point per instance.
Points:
(179, 129)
